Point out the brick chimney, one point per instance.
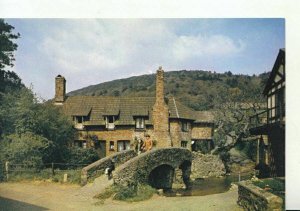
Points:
(161, 113)
(60, 90)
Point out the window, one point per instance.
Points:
(184, 126)
(111, 146)
(184, 144)
(110, 122)
(123, 145)
(80, 119)
(139, 123)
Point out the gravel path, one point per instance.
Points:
(52, 196)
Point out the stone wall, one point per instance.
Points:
(202, 132)
(175, 132)
(177, 135)
(207, 165)
(138, 169)
(97, 168)
(252, 197)
(121, 134)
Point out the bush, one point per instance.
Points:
(27, 148)
(77, 155)
(2, 176)
(134, 193)
(125, 193)
(130, 194)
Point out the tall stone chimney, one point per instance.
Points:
(161, 113)
(60, 89)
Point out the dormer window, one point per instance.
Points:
(140, 123)
(110, 122)
(79, 120)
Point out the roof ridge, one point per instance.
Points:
(176, 107)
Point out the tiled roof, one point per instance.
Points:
(178, 110)
(204, 117)
(126, 108)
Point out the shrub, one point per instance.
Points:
(27, 148)
(77, 155)
(132, 193)
(125, 193)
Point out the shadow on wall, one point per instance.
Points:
(161, 177)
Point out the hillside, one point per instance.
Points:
(198, 89)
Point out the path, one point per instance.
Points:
(50, 196)
(91, 189)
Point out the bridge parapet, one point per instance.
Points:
(97, 168)
(138, 169)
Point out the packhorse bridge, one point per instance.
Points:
(155, 167)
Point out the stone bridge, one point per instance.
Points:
(155, 167)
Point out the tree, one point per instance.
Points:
(27, 148)
(8, 79)
(21, 113)
(232, 114)
(7, 46)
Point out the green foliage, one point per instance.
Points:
(275, 186)
(1, 169)
(9, 81)
(198, 89)
(7, 45)
(27, 148)
(248, 148)
(131, 194)
(21, 113)
(77, 155)
(134, 193)
(74, 176)
(125, 193)
(225, 157)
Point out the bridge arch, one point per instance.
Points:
(161, 176)
(155, 168)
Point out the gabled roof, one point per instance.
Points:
(204, 117)
(279, 60)
(126, 108)
(123, 107)
(180, 111)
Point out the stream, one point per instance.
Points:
(207, 186)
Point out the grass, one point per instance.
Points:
(129, 194)
(74, 176)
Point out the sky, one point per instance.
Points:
(92, 51)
